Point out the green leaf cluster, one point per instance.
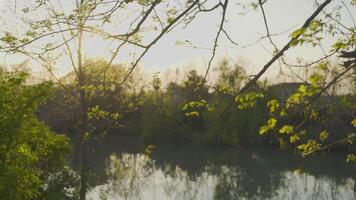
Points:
(29, 151)
(248, 100)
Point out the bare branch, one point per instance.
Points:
(286, 47)
(266, 24)
(229, 38)
(16, 48)
(143, 19)
(310, 63)
(279, 54)
(154, 41)
(224, 7)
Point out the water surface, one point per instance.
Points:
(199, 173)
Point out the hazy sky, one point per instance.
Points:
(283, 16)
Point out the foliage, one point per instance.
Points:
(101, 86)
(309, 120)
(30, 152)
(103, 98)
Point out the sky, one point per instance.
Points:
(243, 25)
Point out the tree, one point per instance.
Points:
(31, 154)
(70, 27)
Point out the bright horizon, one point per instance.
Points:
(283, 16)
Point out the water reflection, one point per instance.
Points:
(136, 176)
(305, 186)
(127, 176)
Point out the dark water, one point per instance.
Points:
(188, 172)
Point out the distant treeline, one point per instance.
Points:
(186, 111)
(190, 111)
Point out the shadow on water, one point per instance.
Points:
(190, 172)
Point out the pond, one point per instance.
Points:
(176, 172)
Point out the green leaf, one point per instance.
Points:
(302, 88)
(271, 123)
(324, 135)
(294, 138)
(353, 123)
(297, 33)
(351, 158)
(273, 105)
(286, 129)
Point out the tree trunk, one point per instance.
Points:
(83, 140)
(84, 116)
